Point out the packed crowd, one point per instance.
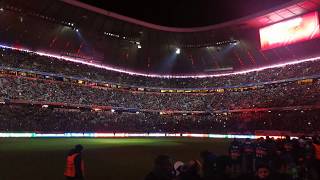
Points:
(31, 61)
(261, 159)
(277, 95)
(35, 118)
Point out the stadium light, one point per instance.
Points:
(139, 46)
(178, 51)
(77, 30)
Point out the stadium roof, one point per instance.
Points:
(264, 18)
(103, 20)
(181, 13)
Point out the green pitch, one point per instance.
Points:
(112, 159)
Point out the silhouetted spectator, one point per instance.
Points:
(163, 169)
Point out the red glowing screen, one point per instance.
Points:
(295, 30)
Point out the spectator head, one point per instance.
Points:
(179, 167)
(288, 138)
(302, 137)
(316, 140)
(263, 172)
(267, 137)
(288, 146)
(163, 163)
(247, 141)
(78, 148)
(194, 167)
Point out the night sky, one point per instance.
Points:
(185, 13)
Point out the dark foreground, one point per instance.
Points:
(112, 159)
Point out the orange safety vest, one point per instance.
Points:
(70, 170)
(317, 151)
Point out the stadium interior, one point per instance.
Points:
(71, 69)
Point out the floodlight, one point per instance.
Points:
(178, 51)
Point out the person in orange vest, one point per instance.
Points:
(316, 164)
(74, 165)
(316, 145)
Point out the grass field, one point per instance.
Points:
(105, 159)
